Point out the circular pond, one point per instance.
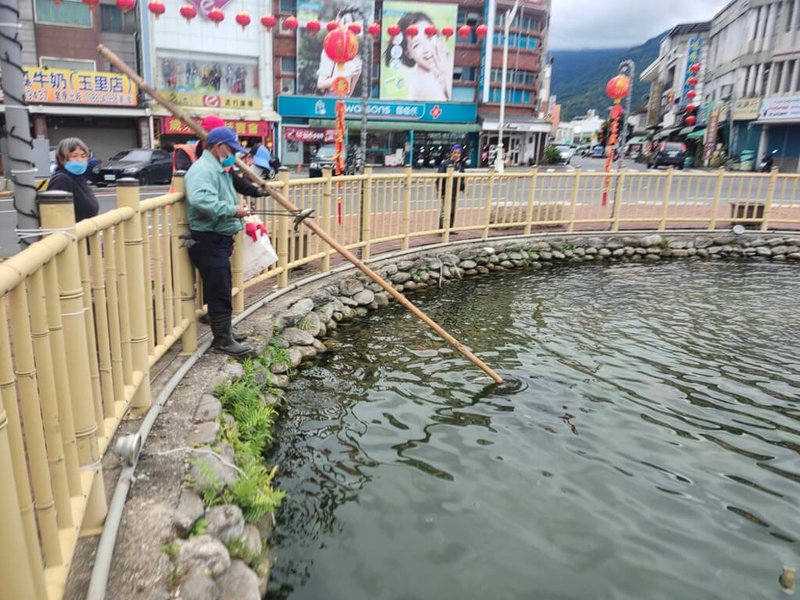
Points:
(645, 445)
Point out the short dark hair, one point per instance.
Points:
(405, 21)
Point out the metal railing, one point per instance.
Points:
(92, 306)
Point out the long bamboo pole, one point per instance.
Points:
(284, 202)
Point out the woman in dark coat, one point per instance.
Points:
(72, 157)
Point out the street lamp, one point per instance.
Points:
(508, 18)
(629, 68)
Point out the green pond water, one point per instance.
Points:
(645, 445)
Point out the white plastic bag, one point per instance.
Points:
(257, 254)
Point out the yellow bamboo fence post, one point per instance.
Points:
(327, 207)
(531, 200)
(406, 208)
(61, 373)
(573, 204)
(366, 213)
(103, 336)
(56, 211)
(618, 199)
(17, 522)
(662, 223)
(19, 580)
(147, 227)
(40, 333)
(128, 196)
(283, 233)
(182, 269)
(447, 201)
(773, 181)
(717, 196)
(487, 209)
(114, 319)
(88, 318)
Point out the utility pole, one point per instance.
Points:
(508, 18)
(366, 88)
(628, 67)
(19, 161)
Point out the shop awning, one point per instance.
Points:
(639, 139)
(665, 133)
(355, 125)
(695, 135)
(686, 130)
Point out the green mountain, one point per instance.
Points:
(580, 76)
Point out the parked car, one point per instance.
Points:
(323, 159)
(584, 150)
(598, 151)
(148, 166)
(669, 154)
(566, 152)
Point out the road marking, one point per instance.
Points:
(551, 170)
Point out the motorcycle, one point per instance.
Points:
(421, 157)
(765, 166)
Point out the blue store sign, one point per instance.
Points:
(314, 107)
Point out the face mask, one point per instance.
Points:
(229, 160)
(76, 167)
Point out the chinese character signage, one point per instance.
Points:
(316, 72)
(418, 67)
(304, 134)
(323, 108)
(746, 109)
(61, 86)
(174, 126)
(695, 45)
(205, 80)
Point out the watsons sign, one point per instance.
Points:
(324, 108)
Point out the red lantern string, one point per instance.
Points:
(481, 31)
(216, 15)
(375, 29)
(332, 25)
(447, 32)
(393, 30)
(464, 31)
(243, 19)
(268, 21)
(188, 12)
(125, 5)
(354, 28)
(291, 23)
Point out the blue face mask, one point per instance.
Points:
(76, 167)
(229, 160)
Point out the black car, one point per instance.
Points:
(668, 153)
(323, 159)
(148, 166)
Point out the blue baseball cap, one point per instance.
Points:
(224, 135)
(456, 147)
(261, 157)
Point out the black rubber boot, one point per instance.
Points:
(237, 337)
(224, 340)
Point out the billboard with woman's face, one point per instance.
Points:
(418, 67)
(315, 70)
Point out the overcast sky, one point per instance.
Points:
(576, 24)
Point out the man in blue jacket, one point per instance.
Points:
(215, 216)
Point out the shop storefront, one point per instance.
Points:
(100, 108)
(397, 132)
(524, 139)
(779, 119)
(171, 131)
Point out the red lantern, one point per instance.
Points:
(393, 30)
(618, 87)
(188, 12)
(313, 27)
(691, 94)
(691, 120)
(431, 31)
(91, 3)
(464, 31)
(616, 111)
(156, 7)
(447, 32)
(268, 21)
(341, 46)
(291, 23)
(375, 29)
(695, 68)
(693, 81)
(125, 5)
(691, 107)
(412, 31)
(355, 28)
(332, 25)
(243, 19)
(216, 15)
(481, 30)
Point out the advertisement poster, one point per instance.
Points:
(315, 70)
(207, 80)
(693, 57)
(780, 108)
(418, 67)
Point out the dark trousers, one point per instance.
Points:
(452, 208)
(211, 255)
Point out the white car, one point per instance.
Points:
(566, 152)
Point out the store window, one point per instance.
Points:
(288, 64)
(67, 63)
(113, 20)
(70, 12)
(288, 85)
(463, 93)
(288, 6)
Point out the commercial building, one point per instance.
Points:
(231, 78)
(412, 113)
(70, 89)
